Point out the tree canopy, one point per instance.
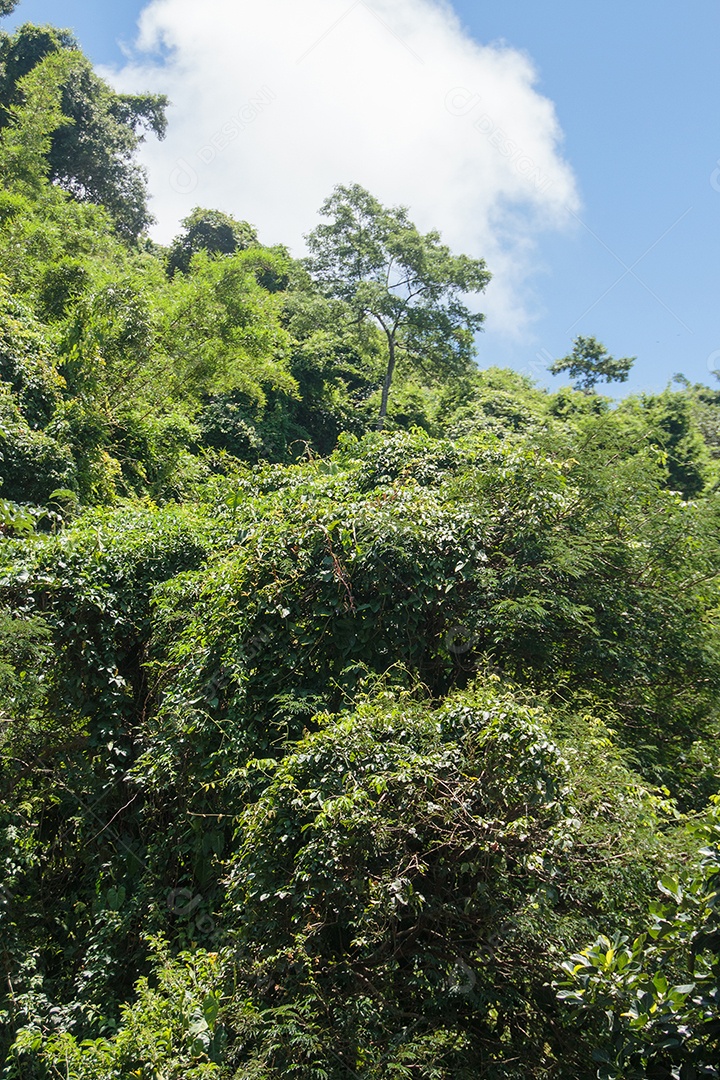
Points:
(97, 131)
(590, 363)
(211, 231)
(410, 284)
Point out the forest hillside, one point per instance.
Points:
(359, 707)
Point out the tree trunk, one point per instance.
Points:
(387, 384)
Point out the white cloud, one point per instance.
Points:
(274, 103)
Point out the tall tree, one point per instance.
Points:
(92, 155)
(410, 284)
(590, 363)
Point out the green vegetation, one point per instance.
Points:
(410, 285)
(590, 363)
(329, 751)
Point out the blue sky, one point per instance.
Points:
(635, 86)
(635, 91)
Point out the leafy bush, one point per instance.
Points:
(33, 464)
(26, 363)
(171, 1030)
(658, 999)
(399, 886)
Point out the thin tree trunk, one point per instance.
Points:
(387, 384)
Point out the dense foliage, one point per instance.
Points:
(325, 751)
